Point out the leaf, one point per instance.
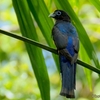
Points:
(35, 54)
(40, 13)
(84, 56)
(96, 3)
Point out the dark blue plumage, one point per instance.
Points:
(66, 40)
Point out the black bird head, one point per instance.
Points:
(60, 15)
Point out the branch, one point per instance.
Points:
(30, 41)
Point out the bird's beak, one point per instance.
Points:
(52, 15)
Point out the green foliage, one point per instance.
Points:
(16, 79)
(96, 3)
(42, 21)
(35, 54)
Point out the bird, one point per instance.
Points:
(66, 39)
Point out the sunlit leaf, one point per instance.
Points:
(41, 13)
(96, 3)
(35, 54)
(85, 58)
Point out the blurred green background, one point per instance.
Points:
(17, 79)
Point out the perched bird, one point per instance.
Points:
(67, 42)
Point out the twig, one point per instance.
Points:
(30, 41)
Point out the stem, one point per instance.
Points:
(30, 41)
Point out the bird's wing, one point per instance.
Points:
(59, 39)
(76, 44)
(76, 49)
(61, 42)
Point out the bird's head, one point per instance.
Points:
(60, 15)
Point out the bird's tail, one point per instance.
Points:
(68, 79)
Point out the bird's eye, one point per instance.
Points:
(58, 13)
